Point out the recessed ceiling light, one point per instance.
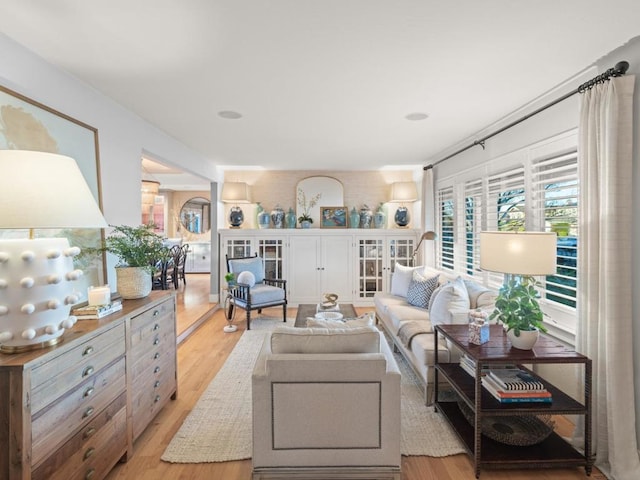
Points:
(416, 116)
(229, 114)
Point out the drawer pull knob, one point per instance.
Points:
(156, 341)
(88, 412)
(156, 327)
(157, 399)
(89, 433)
(87, 371)
(156, 355)
(90, 473)
(156, 370)
(88, 392)
(156, 313)
(89, 452)
(156, 384)
(87, 351)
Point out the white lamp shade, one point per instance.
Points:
(404, 192)
(235, 192)
(519, 253)
(45, 190)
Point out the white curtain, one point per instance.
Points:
(604, 331)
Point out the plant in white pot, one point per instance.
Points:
(138, 249)
(518, 309)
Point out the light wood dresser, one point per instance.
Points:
(72, 411)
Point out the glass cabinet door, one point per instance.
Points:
(370, 267)
(272, 252)
(237, 247)
(400, 251)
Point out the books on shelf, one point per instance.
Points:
(94, 312)
(515, 396)
(515, 379)
(469, 365)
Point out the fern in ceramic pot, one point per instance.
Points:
(518, 309)
(137, 249)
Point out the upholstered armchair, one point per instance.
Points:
(252, 290)
(326, 404)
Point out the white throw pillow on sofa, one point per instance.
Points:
(401, 279)
(451, 297)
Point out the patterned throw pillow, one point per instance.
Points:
(421, 289)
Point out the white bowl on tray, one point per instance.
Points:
(329, 316)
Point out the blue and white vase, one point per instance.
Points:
(380, 217)
(277, 217)
(354, 218)
(366, 217)
(264, 219)
(291, 219)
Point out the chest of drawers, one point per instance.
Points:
(73, 410)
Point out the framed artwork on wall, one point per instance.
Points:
(29, 125)
(333, 217)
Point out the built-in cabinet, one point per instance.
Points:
(198, 257)
(354, 263)
(73, 410)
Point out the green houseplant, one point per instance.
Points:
(138, 249)
(518, 309)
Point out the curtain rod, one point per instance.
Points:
(617, 71)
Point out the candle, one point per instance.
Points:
(99, 295)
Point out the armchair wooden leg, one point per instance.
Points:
(284, 312)
(248, 319)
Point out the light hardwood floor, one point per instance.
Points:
(200, 357)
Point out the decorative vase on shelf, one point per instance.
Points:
(305, 224)
(259, 210)
(366, 217)
(277, 217)
(380, 217)
(264, 219)
(236, 216)
(354, 218)
(291, 218)
(402, 216)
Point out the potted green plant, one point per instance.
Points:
(230, 278)
(518, 309)
(137, 249)
(305, 219)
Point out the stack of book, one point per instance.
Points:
(93, 312)
(468, 364)
(514, 385)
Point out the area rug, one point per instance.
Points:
(218, 429)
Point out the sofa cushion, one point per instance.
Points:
(420, 289)
(404, 313)
(452, 299)
(322, 340)
(361, 321)
(401, 279)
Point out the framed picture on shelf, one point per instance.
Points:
(333, 217)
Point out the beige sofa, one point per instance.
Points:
(411, 327)
(326, 404)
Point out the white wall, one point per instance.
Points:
(122, 135)
(557, 119)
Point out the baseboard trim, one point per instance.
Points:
(327, 473)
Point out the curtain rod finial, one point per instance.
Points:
(621, 67)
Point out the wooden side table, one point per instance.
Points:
(554, 451)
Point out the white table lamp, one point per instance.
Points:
(37, 276)
(518, 253)
(235, 193)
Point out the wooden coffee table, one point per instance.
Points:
(309, 310)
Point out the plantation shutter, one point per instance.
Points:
(474, 209)
(446, 222)
(555, 188)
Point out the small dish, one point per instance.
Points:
(329, 316)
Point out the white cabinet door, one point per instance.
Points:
(320, 265)
(198, 258)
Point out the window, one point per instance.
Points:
(533, 189)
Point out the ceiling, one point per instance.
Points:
(321, 84)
